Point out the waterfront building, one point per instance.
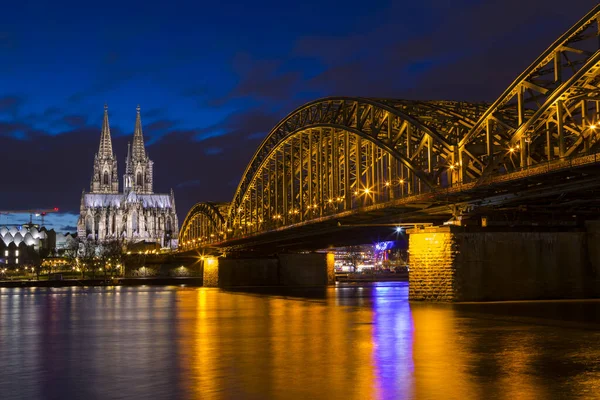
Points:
(20, 244)
(136, 214)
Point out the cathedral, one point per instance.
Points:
(137, 213)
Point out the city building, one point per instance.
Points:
(136, 214)
(23, 244)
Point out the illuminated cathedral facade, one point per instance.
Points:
(136, 214)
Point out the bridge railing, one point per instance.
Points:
(544, 167)
(540, 168)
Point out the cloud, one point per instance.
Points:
(75, 121)
(153, 113)
(211, 151)
(458, 56)
(259, 80)
(157, 129)
(160, 125)
(250, 124)
(106, 81)
(10, 104)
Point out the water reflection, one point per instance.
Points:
(351, 342)
(393, 340)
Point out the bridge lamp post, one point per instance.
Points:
(369, 195)
(587, 142)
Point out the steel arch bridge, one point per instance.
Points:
(340, 154)
(203, 223)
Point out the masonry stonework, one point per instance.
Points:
(456, 264)
(432, 265)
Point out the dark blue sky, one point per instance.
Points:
(213, 78)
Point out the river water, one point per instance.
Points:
(344, 342)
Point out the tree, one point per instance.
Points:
(111, 256)
(354, 256)
(87, 257)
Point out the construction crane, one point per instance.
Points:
(37, 212)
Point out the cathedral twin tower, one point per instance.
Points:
(138, 167)
(136, 214)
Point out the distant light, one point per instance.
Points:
(367, 190)
(398, 229)
(592, 127)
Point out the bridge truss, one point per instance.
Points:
(335, 155)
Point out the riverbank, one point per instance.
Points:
(166, 281)
(162, 281)
(378, 277)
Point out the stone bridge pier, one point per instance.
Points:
(454, 263)
(286, 269)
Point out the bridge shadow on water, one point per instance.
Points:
(576, 313)
(278, 291)
(344, 293)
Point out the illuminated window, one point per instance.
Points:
(16, 260)
(5, 253)
(16, 253)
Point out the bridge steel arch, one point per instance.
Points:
(204, 223)
(343, 153)
(548, 113)
(338, 154)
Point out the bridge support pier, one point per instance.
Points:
(459, 264)
(289, 269)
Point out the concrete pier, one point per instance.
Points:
(457, 264)
(289, 269)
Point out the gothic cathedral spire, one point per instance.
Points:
(105, 150)
(139, 168)
(105, 178)
(139, 151)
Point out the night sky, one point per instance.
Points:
(212, 78)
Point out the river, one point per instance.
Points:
(343, 342)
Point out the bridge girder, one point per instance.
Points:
(544, 113)
(340, 154)
(337, 154)
(203, 223)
